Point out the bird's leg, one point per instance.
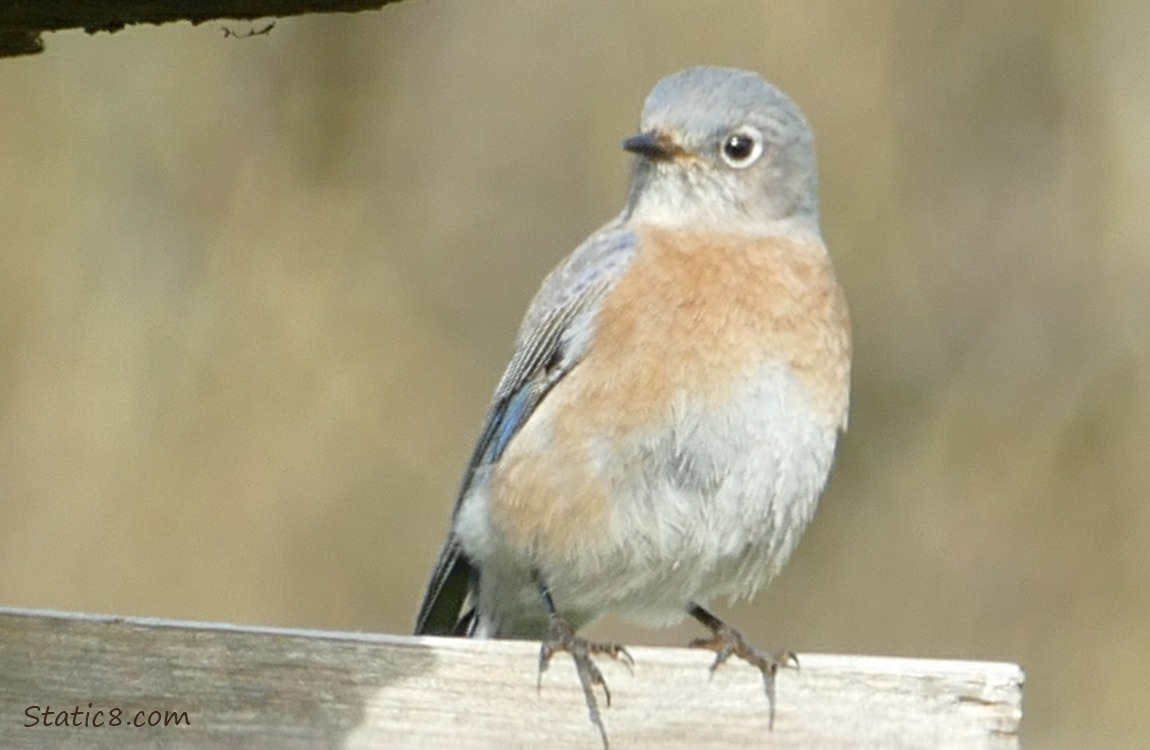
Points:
(561, 637)
(726, 642)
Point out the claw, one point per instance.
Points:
(563, 638)
(726, 642)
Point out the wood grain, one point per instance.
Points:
(246, 687)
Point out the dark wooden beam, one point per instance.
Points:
(22, 21)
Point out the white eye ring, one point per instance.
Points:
(742, 147)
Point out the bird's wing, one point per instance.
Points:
(553, 338)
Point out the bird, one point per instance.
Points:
(671, 412)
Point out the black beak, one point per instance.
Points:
(653, 145)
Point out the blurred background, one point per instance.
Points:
(255, 295)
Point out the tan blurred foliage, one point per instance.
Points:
(254, 295)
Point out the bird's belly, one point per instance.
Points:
(714, 504)
(707, 500)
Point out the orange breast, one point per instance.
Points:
(693, 315)
(698, 312)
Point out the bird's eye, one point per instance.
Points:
(742, 147)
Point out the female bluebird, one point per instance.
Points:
(669, 417)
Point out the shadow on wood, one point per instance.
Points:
(194, 685)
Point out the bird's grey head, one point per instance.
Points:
(721, 148)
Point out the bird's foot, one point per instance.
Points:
(726, 642)
(561, 637)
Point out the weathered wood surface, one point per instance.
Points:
(245, 687)
(22, 21)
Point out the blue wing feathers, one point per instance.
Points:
(568, 296)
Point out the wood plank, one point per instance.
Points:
(21, 22)
(277, 688)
